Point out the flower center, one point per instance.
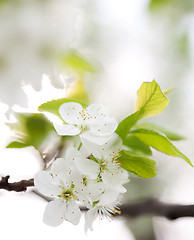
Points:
(67, 194)
(85, 118)
(103, 165)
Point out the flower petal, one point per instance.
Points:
(87, 166)
(71, 157)
(96, 110)
(100, 140)
(54, 213)
(46, 185)
(103, 126)
(90, 216)
(106, 151)
(71, 112)
(91, 148)
(83, 165)
(94, 190)
(66, 129)
(112, 147)
(59, 169)
(108, 197)
(112, 180)
(73, 213)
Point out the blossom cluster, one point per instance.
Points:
(89, 175)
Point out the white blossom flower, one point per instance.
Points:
(92, 123)
(65, 183)
(104, 163)
(106, 206)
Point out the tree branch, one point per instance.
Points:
(155, 207)
(150, 206)
(16, 186)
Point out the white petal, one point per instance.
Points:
(92, 148)
(111, 179)
(71, 157)
(100, 140)
(66, 129)
(122, 176)
(113, 146)
(59, 170)
(97, 110)
(83, 164)
(87, 166)
(71, 112)
(107, 150)
(46, 185)
(94, 190)
(73, 213)
(104, 126)
(83, 197)
(108, 197)
(90, 216)
(54, 213)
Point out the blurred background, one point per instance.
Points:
(100, 51)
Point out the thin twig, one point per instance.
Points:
(16, 186)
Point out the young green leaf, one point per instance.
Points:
(53, 106)
(32, 130)
(141, 166)
(150, 99)
(76, 62)
(37, 129)
(17, 144)
(160, 142)
(152, 126)
(126, 124)
(137, 146)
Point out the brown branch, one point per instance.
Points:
(155, 207)
(150, 206)
(16, 186)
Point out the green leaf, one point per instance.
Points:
(137, 146)
(16, 144)
(160, 142)
(141, 166)
(150, 99)
(78, 63)
(158, 4)
(37, 129)
(126, 124)
(175, 6)
(32, 130)
(53, 106)
(152, 126)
